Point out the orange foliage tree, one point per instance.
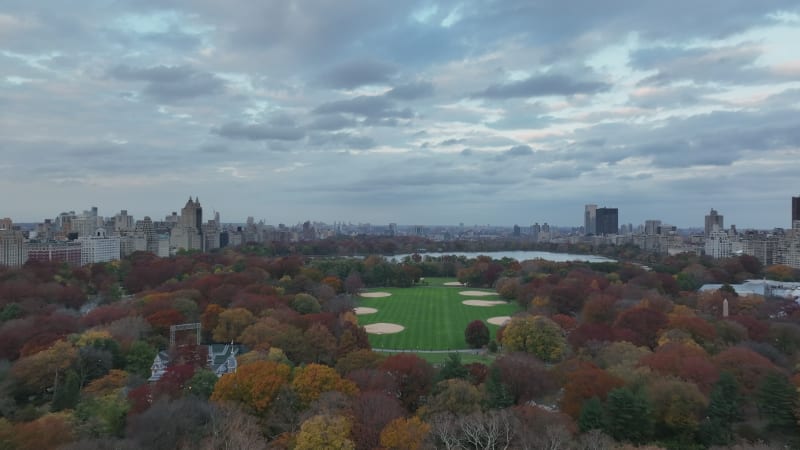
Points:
(253, 385)
(585, 383)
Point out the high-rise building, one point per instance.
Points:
(651, 226)
(188, 233)
(795, 209)
(590, 219)
(714, 219)
(13, 252)
(144, 236)
(607, 221)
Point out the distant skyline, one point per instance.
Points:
(419, 112)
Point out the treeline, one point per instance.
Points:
(604, 355)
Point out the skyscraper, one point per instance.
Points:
(713, 219)
(795, 209)
(607, 221)
(590, 219)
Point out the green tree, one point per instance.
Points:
(140, 359)
(102, 416)
(724, 409)
(592, 416)
(202, 383)
(628, 416)
(497, 395)
(777, 400)
(69, 393)
(453, 368)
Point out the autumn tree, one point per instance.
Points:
(537, 335)
(404, 434)
(643, 323)
(253, 385)
(371, 412)
(586, 383)
(325, 432)
(476, 334)
(313, 380)
(232, 323)
(413, 375)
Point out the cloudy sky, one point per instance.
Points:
(415, 112)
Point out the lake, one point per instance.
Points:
(518, 255)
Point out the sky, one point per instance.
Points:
(415, 112)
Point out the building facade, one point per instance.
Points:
(99, 247)
(13, 251)
(590, 219)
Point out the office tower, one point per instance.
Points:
(144, 236)
(713, 219)
(590, 219)
(795, 209)
(607, 221)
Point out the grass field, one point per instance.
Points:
(433, 316)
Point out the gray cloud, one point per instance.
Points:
(353, 74)
(411, 91)
(259, 132)
(343, 141)
(171, 83)
(541, 86)
(331, 122)
(375, 109)
(733, 64)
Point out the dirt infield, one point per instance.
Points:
(361, 310)
(483, 302)
(477, 293)
(374, 294)
(499, 320)
(384, 328)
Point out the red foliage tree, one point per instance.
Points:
(683, 361)
(590, 332)
(525, 376)
(747, 366)
(585, 383)
(476, 334)
(645, 323)
(414, 375)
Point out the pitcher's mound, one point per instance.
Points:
(500, 320)
(375, 294)
(483, 302)
(361, 310)
(453, 283)
(477, 293)
(383, 328)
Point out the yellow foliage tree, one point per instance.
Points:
(314, 379)
(404, 434)
(537, 335)
(323, 432)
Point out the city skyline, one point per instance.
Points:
(581, 222)
(414, 113)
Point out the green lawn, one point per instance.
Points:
(433, 316)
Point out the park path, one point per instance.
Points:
(462, 350)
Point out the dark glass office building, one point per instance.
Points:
(607, 221)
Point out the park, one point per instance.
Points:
(429, 316)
